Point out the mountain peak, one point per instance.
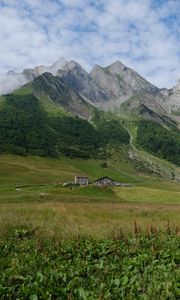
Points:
(71, 65)
(95, 69)
(117, 67)
(117, 63)
(114, 69)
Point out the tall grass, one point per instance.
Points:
(69, 220)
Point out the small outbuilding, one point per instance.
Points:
(81, 180)
(105, 181)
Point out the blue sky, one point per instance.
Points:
(143, 34)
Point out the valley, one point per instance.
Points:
(32, 195)
(89, 150)
(59, 240)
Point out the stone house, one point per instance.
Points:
(105, 181)
(81, 180)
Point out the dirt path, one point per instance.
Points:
(131, 140)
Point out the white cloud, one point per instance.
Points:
(144, 35)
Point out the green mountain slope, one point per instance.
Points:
(28, 127)
(143, 157)
(48, 118)
(160, 141)
(55, 94)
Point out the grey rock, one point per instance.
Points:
(172, 98)
(81, 81)
(115, 88)
(57, 91)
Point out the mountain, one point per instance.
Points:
(82, 114)
(118, 89)
(124, 81)
(82, 82)
(53, 88)
(115, 88)
(115, 82)
(77, 90)
(47, 117)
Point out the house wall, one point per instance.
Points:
(81, 180)
(105, 181)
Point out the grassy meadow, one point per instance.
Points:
(32, 195)
(86, 243)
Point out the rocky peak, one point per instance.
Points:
(96, 68)
(80, 80)
(117, 67)
(71, 66)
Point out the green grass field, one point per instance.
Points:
(86, 243)
(31, 194)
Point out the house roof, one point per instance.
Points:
(104, 178)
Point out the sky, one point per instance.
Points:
(143, 34)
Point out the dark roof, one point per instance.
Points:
(104, 178)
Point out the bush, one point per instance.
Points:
(103, 165)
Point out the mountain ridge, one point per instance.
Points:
(110, 88)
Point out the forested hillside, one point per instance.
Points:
(109, 129)
(26, 128)
(163, 142)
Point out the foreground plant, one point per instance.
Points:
(145, 266)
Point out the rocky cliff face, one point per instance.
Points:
(115, 82)
(172, 98)
(119, 81)
(53, 88)
(82, 82)
(119, 89)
